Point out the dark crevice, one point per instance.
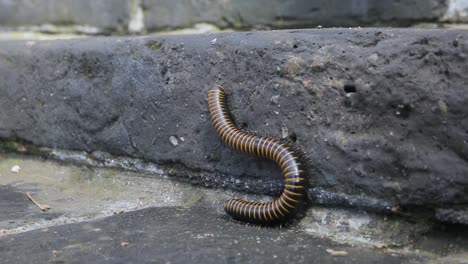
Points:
(349, 88)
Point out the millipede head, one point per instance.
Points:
(218, 87)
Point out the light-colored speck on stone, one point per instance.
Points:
(173, 140)
(182, 139)
(373, 58)
(442, 106)
(275, 99)
(337, 253)
(213, 41)
(284, 132)
(30, 43)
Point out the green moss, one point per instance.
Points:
(10, 145)
(18, 146)
(154, 44)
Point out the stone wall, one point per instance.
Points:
(143, 16)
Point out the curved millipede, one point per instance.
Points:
(280, 209)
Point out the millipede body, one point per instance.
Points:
(293, 192)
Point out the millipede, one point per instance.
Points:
(293, 193)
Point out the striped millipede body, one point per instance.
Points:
(293, 193)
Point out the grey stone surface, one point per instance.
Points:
(16, 208)
(381, 114)
(78, 193)
(82, 193)
(116, 16)
(453, 215)
(187, 224)
(181, 235)
(289, 13)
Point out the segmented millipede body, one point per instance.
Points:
(293, 192)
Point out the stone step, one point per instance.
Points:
(129, 217)
(380, 113)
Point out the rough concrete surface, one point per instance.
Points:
(179, 235)
(158, 220)
(83, 193)
(380, 113)
(78, 193)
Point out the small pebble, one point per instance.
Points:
(318, 66)
(275, 99)
(284, 132)
(213, 41)
(15, 169)
(373, 58)
(442, 106)
(119, 211)
(173, 140)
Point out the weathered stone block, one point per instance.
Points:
(289, 13)
(381, 113)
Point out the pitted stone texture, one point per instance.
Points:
(381, 114)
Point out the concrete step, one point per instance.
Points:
(380, 113)
(101, 215)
